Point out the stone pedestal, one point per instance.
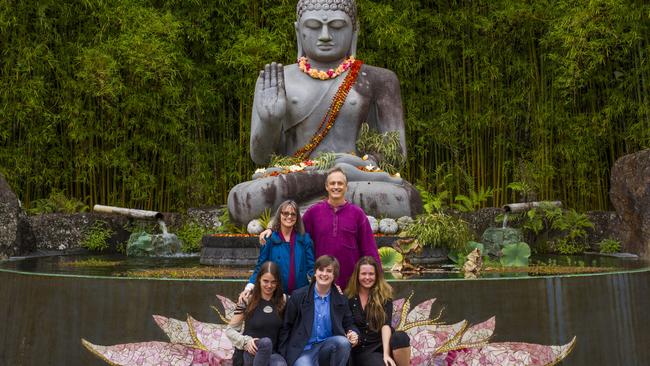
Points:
(243, 251)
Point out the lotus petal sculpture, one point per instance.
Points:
(193, 342)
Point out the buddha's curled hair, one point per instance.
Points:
(348, 6)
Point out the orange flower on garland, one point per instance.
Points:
(330, 117)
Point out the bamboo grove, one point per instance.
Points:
(146, 103)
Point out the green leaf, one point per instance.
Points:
(515, 255)
(389, 257)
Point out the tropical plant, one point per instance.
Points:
(228, 227)
(391, 259)
(57, 202)
(609, 246)
(191, 236)
(438, 230)
(96, 239)
(385, 146)
(474, 201)
(265, 218)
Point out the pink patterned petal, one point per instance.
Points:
(510, 354)
(480, 332)
(420, 312)
(177, 331)
(423, 347)
(211, 337)
(397, 311)
(441, 334)
(228, 308)
(151, 354)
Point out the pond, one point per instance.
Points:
(188, 266)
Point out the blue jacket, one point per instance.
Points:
(278, 251)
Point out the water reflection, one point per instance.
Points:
(117, 265)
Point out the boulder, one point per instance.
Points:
(207, 216)
(630, 195)
(15, 235)
(66, 232)
(480, 220)
(495, 239)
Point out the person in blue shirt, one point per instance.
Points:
(290, 247)
(318, 326)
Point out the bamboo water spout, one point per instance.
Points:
(525, 206)
(129, 212)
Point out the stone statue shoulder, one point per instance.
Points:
(376, 80)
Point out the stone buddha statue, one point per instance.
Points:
(318, 106)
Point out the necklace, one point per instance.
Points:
(330, 117)
(305, 66)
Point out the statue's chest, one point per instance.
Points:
(309, 102)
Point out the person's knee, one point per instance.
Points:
(264, 344)
(399, 340)
(341, 343)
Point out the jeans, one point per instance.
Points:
(264, 355)
(334, 351)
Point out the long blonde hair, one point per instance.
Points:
(380, 293)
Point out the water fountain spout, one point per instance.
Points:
(525, 206)
(129, 212)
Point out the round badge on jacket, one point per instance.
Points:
(267, 309)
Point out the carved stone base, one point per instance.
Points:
(247, 201)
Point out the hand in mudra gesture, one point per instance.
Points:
(271, 101)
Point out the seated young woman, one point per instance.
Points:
(261, 320)
(290, 247)
(370, 299)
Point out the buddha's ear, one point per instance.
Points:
(353, 44)
(298, 40)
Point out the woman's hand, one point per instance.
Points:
(263, 235)
(251, 347)
(353, 337)
(388, 361)
(243, 297)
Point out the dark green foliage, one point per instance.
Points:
(554, 229)
(191, 235)
(609, 246)
(385, 146)
(438, 230)
(146, 104)
(97, 237)
(57, 202)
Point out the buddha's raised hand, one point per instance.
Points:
(271, 98)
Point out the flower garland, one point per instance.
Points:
(305, 66)
(330, 117)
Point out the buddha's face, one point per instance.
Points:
(325, 35)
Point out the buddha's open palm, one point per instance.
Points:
(271, 101)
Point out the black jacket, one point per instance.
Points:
(299, 318)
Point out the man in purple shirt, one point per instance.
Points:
(339, 228)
